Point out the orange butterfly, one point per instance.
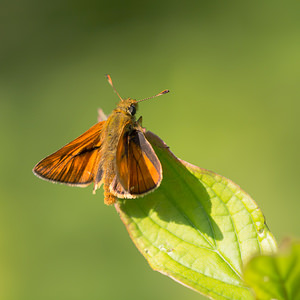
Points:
(114, 152)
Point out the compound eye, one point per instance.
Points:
(132, 110)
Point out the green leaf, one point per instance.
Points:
(276, 276)
(198, 228)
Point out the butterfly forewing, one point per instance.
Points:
(138, 169)
(75, 163)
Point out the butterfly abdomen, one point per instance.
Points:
(112, 131)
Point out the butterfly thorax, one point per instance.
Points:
(122, 118)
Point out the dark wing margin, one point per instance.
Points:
(73, 164)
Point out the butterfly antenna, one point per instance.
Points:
(110, 82)
(161, 93)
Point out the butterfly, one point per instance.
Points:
(114, 152)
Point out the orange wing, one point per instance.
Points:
(73, 164)
(138, 169)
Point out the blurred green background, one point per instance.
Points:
(233, 70)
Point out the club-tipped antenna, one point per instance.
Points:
(161, 93)
(110, 82)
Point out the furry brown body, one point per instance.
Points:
(119, 120)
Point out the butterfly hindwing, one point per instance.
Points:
(73, 164)
(138, 169)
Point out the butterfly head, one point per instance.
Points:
(129, 106)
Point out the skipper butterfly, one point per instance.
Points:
(113, 152)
